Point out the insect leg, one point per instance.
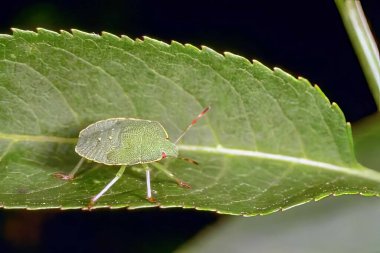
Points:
(171, 175)
(71, 175)
(148, 189)
(189, 160)
(118, 175)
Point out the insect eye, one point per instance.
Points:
(163, 155)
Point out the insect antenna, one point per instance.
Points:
(193, 122)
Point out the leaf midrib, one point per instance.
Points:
(220, 150)
(359, 172)
(37, 138)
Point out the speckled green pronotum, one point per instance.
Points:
(126, 142)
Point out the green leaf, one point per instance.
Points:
(366, 135)
(270, 141)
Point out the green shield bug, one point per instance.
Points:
(128, 142)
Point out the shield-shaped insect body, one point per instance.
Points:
(127, 142)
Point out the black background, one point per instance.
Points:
(304, 38)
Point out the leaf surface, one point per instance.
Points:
(270, 141)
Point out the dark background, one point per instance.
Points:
(304, 38)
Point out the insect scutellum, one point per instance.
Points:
(128, 142)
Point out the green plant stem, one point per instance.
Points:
(363, 43)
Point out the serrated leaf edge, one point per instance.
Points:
(368, 174)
